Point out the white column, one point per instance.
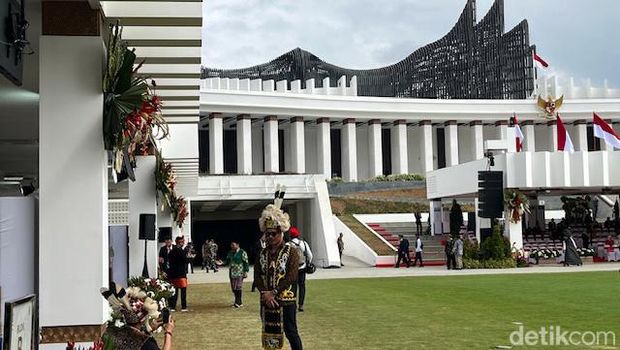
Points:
(375, 160)
(73, 183)
(216, 144)
(581, 143)
(142, 200)
(399, 148)
(435, 213)
(552, 130)
(452, 143)
(514, 232)
(270, 141)
(324, 145)
(529, 144)
(349, 150)
(244, 144)
(426, 146)
(297, 146)
(502, 129)
(477, 139)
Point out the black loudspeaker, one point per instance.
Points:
(164, 234)
(485, 233)
(147, 227)
(490, 194)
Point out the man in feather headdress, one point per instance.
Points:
(275, 272)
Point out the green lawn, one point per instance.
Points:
(464, 312)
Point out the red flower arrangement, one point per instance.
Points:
(180, 211)
(517, 204)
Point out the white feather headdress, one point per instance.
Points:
(273, 216)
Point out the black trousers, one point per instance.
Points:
(238, 296)
(299, 288)
(418, 256)
(289, 316)
(174, 298)
(451, 262)
(403, 256)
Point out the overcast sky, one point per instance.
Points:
(579, 38)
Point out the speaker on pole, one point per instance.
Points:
(147, 227)
(490, 194)
(164, 234)
(146, 231)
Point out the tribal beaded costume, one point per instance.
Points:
(272, 273)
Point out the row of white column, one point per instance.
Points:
(399, 148)
(296, 145)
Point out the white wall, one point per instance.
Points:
(142, 200)
(182, 141)
(17, 248)
(257, 148)
(324, 236)
(73, 183)
(541, 133)
(353, 245)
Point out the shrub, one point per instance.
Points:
(504, 263)
(471, 250)
(496, 247)
(398, 177)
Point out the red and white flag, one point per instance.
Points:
(518, 134)
(604, 131)
(564, 141)
(539, 60)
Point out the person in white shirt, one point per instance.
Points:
(419, 248)
(305, 257)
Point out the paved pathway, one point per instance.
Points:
(356, 269)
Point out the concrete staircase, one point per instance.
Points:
(433, 250)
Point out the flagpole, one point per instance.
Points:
(535, 73)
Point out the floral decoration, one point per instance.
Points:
(517, 204)
(132, 119)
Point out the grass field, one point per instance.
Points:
(463, 312)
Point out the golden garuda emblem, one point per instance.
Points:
(550, 106)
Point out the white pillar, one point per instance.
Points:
(142, 200)
(270, 141)
(529, 144)
(502, 129)
(477, 139)
(244, 144)
(582, 135)
(73, 184)
(399, 148)
(553, 135)
(375, 160)
(216, 144)
(324, 145)
(452, 143)
(514, 232)
(349, 150)
(435, 215)
(426, 146)
(297, 146)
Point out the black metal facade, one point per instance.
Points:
(473, 61)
